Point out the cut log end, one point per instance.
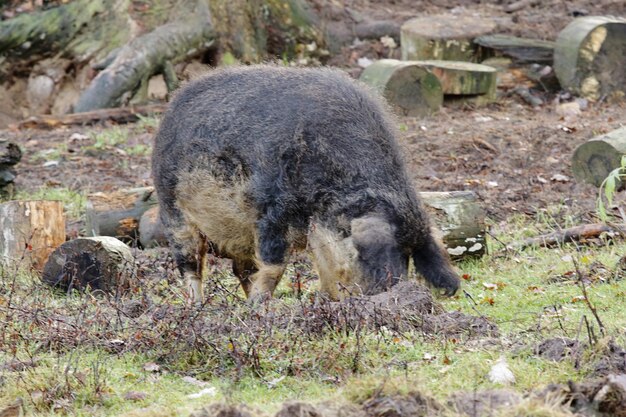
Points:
(590, 56)
(410, 88)
(595, 159)
(100, 263)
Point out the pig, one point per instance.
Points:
(254, 162)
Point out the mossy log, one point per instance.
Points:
(520, 50)
(461, 220)
(117, 214)
(463, 78)
(144, 56)
(30, 231)
(445, 37)
(410, 88)
(590, 57)
(100, 263)
(593, 160)
(41, 33)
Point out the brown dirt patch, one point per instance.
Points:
(559, 348)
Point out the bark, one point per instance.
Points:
(590, 57)
(30, 231)
(595, 159)
(461, 220)
(118, 214)
(99, 263)
(409, 87)
(463, 78)
(444, 37)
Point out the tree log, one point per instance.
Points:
(463, 78)
(118, 115)
(30, 231)
(520, 50)
(151, 230)
(461, 220)
(144, 56)
(43, 33)
(100, 263)
(590, 57)
(409, 87)
(118, 214)
(445, 37)
(593, 160)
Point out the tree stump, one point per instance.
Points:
(590, 57)
(151, 230)
(520, 50)
(410, 88)
(117, 214)
(30, 231)
(464, 79)
(445, 37)
(593, 160)
(100, 263)
(461, 220)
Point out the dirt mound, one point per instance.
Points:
(601, 397)
(406, 306)
(226, 410)
(557, 349)
(612, 360)
(483, 403)
(413, 404)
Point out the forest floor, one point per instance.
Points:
(150, 354)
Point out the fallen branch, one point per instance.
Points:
(572, 234)
(119, 115)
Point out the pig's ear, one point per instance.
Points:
(432, 262)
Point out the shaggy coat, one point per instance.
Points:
(256, 161)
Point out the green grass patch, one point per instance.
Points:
(89, 358)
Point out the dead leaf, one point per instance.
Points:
(490, 286)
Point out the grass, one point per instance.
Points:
(88, 379)
(73, 201)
